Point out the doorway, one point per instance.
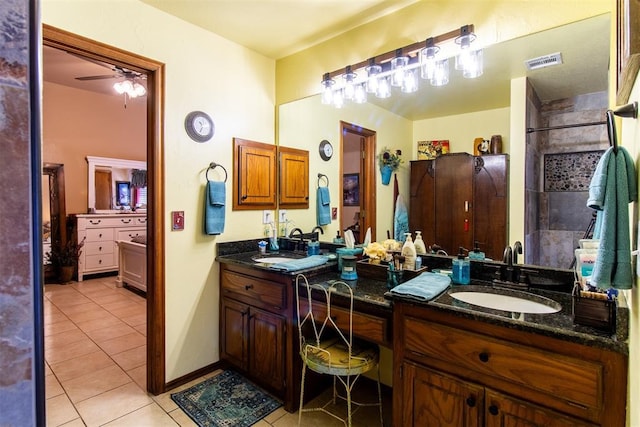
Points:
(154, 70)
(358, 184)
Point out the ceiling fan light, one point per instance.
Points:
(139, 89)
(127, 86)
(118, 88)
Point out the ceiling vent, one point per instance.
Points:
(544, 61)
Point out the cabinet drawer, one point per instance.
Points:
(99, 234)
(576, 381)
(270, 295)
(98, 248)
(365, 326)
(128, 234)
(99, 261)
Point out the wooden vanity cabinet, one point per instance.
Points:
(254, 175)
(457, 199)
(455, 371)
(294, 178)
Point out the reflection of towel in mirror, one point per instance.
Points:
(400, 220)
(214, 209)
(424, 287)
(612, 188)
(323, 208)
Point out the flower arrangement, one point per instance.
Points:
(390, 158)
(376, 252)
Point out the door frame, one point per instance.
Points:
(154, 70)
(367, 174)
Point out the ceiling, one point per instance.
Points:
(277, 28)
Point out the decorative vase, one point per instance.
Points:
(386, 174)
(66, 273)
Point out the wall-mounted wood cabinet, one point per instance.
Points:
(254, 175)
(457, 199)
(294, 178)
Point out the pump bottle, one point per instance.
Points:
(421, 249)
(461, 269)
(476, 254)
(409, 253)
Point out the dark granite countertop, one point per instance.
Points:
(559, 325)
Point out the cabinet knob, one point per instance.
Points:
(493, 410)
(247, 287)
(99, 261)
(100, 235)
(471, 401)
(100, 248)
(244, 197)
(484, 357)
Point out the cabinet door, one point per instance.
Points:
(422, 200)
(266, 347)
(490, 204)
(254, 175)
(454, 202)
(505, 411)
(234, 332)
(294, 178)
(433, 399)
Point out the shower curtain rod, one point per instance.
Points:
(531, 130)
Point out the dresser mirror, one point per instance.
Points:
(107, 179)
(584, 71)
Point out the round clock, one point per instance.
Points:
(326, 150)
(199, 126)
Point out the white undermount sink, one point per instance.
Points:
(535, 305)
(273, 259)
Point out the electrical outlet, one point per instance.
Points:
(267, 216)
(282, 216)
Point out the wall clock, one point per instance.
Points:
(199, 126)
(326, 150)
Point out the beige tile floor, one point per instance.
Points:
(95, 365)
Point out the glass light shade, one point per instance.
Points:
(410, 81)
(384, 90)
(441, 73)
(398, 65)
(372, 78)
(464, 41)
(360, 94)
(338, 98)
(127, 86)
(349, 84)
(327, 90)
(428, 62)
(118, 88)
(474, 66)
(139, 89)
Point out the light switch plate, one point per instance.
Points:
(334, 214)
(177, 220)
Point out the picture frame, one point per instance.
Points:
(351, 189)
(123, 193)
(429, 150)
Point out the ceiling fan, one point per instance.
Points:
(128, 80)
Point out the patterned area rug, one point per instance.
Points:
(226, 400)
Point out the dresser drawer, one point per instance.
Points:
(113, 222)
(128, 234)
(576, 381)
(365, 326)
(97, 248)
(93, 262)
(270, 295)
(99, 234)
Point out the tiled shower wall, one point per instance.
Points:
(17, 361)
(557, 189)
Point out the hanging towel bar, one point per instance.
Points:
(214, 165)
(320, 176)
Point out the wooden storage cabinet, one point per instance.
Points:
(463, 372)
(253, 327)
(457, 199)
(254, 175)
(294, 178)
(100, 234)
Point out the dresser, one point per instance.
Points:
(100, 234)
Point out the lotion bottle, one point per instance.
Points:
(461, 269)
(409, 253)
(421, 249)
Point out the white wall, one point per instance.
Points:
(203, 72)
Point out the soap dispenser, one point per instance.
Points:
(409, 253)
(461, 269)
(313, 248)
(476, 254)
(338, 239)
(421, 249)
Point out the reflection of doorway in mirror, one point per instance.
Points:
(103, 189)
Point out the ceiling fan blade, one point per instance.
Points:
(103, 77)
(95, 61)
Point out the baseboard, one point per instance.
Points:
(194, 375)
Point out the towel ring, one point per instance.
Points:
(214, 165)
(326, 178)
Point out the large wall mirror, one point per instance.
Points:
(574, 92)
(111, 182)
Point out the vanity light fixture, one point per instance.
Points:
(399, 68)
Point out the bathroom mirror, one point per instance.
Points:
(107, 178)
(584, 71)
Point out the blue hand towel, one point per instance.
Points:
(300, 264)
(424, 287)
(214, 207)
(612, 188)
(323, 208)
